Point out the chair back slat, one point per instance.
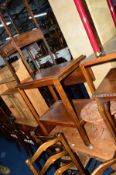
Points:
(28, 162)
(74, 158)
(52, 160)
(62, 148)
(103, 167)
(42, 148)
(62, 169)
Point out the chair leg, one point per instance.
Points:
(107, 118)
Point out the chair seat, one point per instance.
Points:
(90, 112)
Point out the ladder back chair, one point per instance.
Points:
(68, 160)
(65, 156)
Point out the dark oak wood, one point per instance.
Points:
(54, 76)
(107, 89)
(77, 77)
(57, 113)
(103, 94)
(52, 91)
(88, 78)
(14, 45)
(47, 76)
(108, 55)
(72, 112)
(107, 119)
(14, 24)
(37, 25)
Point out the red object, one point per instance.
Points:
(112, 10)
(87, 26)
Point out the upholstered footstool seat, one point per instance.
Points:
(113, 108)
(90, 114)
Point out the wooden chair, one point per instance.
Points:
(68, 160)
(100, 170)
(61, 151)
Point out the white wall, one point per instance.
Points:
(102, 19)
(74, 33)
(71, 27)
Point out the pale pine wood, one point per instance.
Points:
(23, 115)
(5, 75)
(34, 95)
(18, 107)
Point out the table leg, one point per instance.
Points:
(88, 78)
(107, 118)
(35, 115)
(72, 112)
(53, 93)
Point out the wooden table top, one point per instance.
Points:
(107, 88)
(46, 76)
(109, 53)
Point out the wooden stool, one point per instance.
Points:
(90, 114)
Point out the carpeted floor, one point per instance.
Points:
(15, 158)
(12, 157)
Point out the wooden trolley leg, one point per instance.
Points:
(71, 111)
(88, 78)
(53, 93)
(35, 115)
